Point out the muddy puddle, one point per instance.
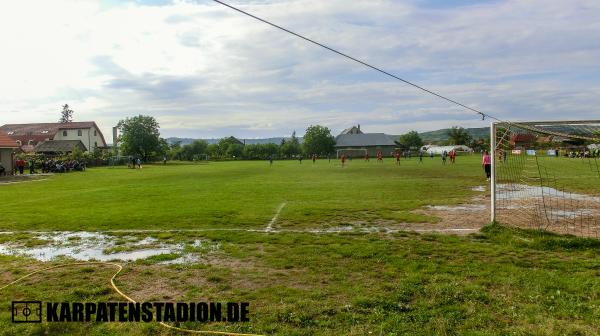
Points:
(93, 246)
(522, 191)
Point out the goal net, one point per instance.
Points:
(546, 176)
(354, 152)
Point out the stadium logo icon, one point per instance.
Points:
(27, 311)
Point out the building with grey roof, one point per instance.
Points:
(360, 144)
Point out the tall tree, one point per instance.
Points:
(140, 136)
(318, 140)
(66, 115)
(458, 136)
(410, 140)
(292, 147)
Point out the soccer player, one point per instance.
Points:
(343, 158)
(367, 156)
(420, 156)
(444, 155)
(486, 162)
(397, 158)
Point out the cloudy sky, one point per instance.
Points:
(204, 70)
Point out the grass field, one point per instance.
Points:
(298, 282)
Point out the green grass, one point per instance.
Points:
(496, 282)
(236, 194)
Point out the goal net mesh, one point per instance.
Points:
(547, 176)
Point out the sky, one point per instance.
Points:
(205, 71)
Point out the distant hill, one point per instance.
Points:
(186, 141)
(442, 135)
(433, 136)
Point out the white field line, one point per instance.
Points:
(274, 219)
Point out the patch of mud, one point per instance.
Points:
(536, 207)
(522, 191)
(88, 246)
(5, 180)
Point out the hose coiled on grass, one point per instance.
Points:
(112, 283)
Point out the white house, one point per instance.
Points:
(29, 135)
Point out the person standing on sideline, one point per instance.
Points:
(31, 166)
(486, 162)
(300, 158)
(420, 156)
(329, 158)
(164, 160)
(444, 155)
(21, 166)
(139, 163)
(314, 158)
(270, 160)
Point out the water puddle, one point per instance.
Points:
(462, 207)
(478, 188)
(88, 246)
(522, 191)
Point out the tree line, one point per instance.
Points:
(140, 137)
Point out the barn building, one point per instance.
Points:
(352, 141)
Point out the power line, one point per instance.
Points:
(483, 115)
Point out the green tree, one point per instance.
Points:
(140, 136)
(174, 152)
(292, 147)
(410, 140)
(458, 136)
(318, 140)
(194, 150)
(235, 150)
(66, 115)
(214, 151)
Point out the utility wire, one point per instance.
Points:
(483, 115)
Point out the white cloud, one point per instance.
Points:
(205, 70)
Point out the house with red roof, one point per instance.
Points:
(28, 136)
(7, 150)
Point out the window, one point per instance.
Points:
(30, 142)
(44, 132)
(29, 133)
(78, 132)
(19, 143)
(11, 133)
(95, 133)
(64, 133)
(95, 143)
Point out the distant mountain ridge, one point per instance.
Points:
(432, 136)
(187, 141)
(442, 134)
